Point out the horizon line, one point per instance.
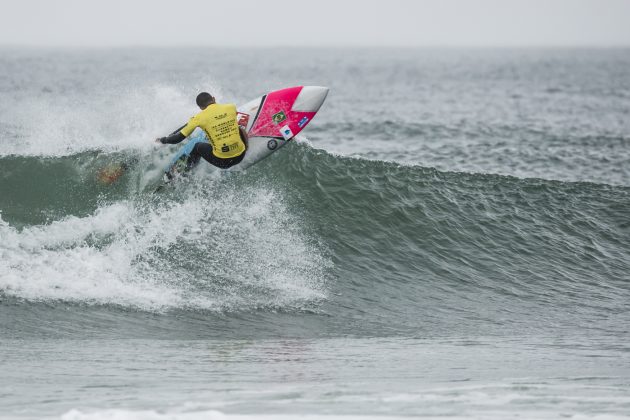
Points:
(348, 46)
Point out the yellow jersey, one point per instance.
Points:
(219, 123)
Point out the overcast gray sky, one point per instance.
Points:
(315, 22)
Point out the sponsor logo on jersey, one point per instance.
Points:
(272, 144)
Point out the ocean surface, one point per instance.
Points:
(449, 238)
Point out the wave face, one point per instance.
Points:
(377, 247)
(452, 194)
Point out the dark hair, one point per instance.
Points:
(204, 99)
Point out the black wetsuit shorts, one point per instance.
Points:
(204, 150)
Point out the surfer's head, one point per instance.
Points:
(204, 99)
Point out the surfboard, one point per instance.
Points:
(271, 121)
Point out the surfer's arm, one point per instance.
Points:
(181, 133)
(172, 139)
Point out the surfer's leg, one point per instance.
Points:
(204, 150)
(182, 162)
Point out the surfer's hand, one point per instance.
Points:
(159, 140)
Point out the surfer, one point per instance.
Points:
(227, 141)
